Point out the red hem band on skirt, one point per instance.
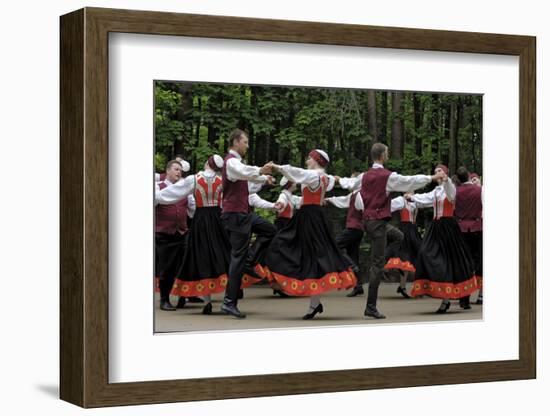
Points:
(479, 281)
(309, 287)
(187, 288)
(443, 290)
(397, 263)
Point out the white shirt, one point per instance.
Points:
(306, 177)
(441, 192)
(341, 201)
(399, 203)
(175, 192)
(396, 182)
(191, 206)
(396, 204)
(179, 190)
(254, 200)
(236, 170)
(287, 198)
(254, 188)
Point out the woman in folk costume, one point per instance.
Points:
(303, 257)
(289, 203)
(444, 267)
(404, 258)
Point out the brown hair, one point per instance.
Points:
(236, 134)
(462, 174)
(170, 163)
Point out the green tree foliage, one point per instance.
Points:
(285, 123)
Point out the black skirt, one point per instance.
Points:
(206, 263)
(405, 256)
(303, 257)
(204, 267)
(444, 267)
(281, 222)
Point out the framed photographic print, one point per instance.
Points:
(149, 92)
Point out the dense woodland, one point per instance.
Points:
(285, 123)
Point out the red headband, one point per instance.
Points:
(443, 168)
(315, 155)
(474, 175)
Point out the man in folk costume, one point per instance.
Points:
(349, 240)
(375, 186)
(170, 236)
(469, 214)
(255, 261)
(238, 222)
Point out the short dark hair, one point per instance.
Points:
(377, 150)
(462, 174)
(170, 163)
(236, 134)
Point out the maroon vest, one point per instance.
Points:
(235, 194)
(468, 208)
(354, 218)
(170, 219)
(376, 201)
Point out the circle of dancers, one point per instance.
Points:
(208, 239)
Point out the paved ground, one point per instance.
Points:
(265, 310)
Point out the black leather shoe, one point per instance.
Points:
(374, 313)
(444, 307)
(232, 310)
(165, 305)
(465, 303)
(181, 303)
(318, 309)
(195, 299)
(403, 292)
(357, 290)
(479, 300)
(207, 310)
(280, 293)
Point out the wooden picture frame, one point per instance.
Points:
(84, 207)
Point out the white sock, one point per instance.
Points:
(314, 301)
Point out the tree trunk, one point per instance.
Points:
(383, 118)
(435, 126)
(397, 147)
(453, 133)
(418, 109)
(371, 112)
(183, 114)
